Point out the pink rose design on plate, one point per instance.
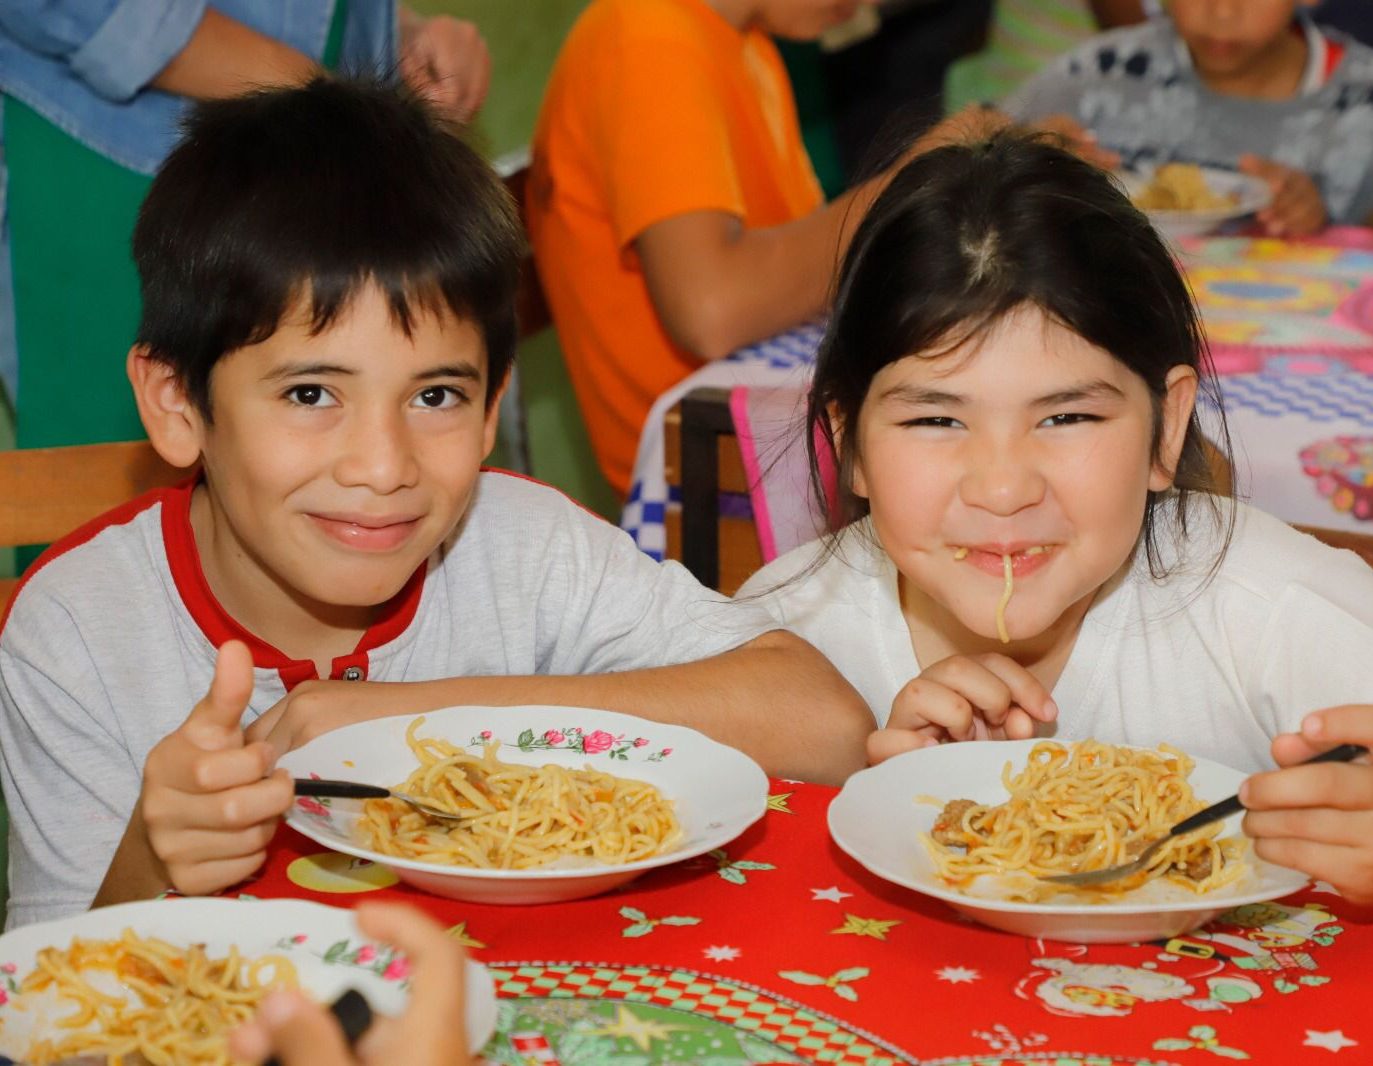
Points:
(554, 737)
(639, 742)
(399, 970)
(366, 953)
(313, 806)
(486, 734)
(597, 742)
(4, 997)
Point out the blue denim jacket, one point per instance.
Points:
(85, 65)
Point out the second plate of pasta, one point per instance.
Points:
(896, 820)
(549, 803)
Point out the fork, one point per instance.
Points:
(323, 786)
(1213, 813)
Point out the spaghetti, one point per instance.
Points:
(177, 1005)
(517, 817)
(1085, 806)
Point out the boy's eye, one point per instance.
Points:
(1071, 418)
(310, 396)
(440, 396)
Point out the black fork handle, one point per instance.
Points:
(1227, 807)
(323, 786)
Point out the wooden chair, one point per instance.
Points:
(45, 493)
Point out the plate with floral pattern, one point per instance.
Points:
(323, 943)
(717, 791)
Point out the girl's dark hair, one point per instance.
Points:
(966, 233)
(320, 190)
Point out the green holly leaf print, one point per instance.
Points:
(1201, 1032)
(800, 977)
(853, 973)
(1284, 986)
(633, 913)
(1312, 981)
(1172, 1043)
(845, 992)
(679, 919)
(1228, 1052)
(637, 929)
(749, 864)
(733, 875)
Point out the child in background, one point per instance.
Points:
(329, 280)
(1010, 378)
(1252, 85)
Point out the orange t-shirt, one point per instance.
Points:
(655, 108)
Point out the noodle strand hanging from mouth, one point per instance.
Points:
(1001, 630)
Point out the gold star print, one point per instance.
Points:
(778, 802)
(865, 927)
(642, 1031)
(460, 934)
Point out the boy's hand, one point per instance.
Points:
(1297, 209)
(446, 60)
(964, 697)
(316, 707)
(302, 1033)
(208, 807)
(1318, 819)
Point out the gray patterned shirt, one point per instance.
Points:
(1137, 90)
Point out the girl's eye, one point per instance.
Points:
(1069, 419)
(310, 396)
(934, 421)
(438, 397)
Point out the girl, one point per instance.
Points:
(1032, 543)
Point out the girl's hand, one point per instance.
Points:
(210, 802)
(446, 60)
(1297, 208)
(1318, 819)
(300, 1032)
(964, 697)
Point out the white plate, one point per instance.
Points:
(322, 942)
(718, 791)
(877, 820)
(1250, 194)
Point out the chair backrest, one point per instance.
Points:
(45, 493)
(1359, 543)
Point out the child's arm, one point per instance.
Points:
(1318, 819)
(964, 697)
(208, 807)
(301, 1033)
(225, 57)
(1297, 208)
(776, 698)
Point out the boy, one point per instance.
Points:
(328, 289)
(1253, 85)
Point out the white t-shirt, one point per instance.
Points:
(111, 641)
(1284, 627)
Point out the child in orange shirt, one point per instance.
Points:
(675, 215)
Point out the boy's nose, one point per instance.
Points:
(378, 454)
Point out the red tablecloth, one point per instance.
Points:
(781, 949)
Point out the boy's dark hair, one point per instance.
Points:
(319, 190)
(966, 233)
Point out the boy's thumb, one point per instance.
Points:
(231, 687)
(294, 1032)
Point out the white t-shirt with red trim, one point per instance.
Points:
(111, 641)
